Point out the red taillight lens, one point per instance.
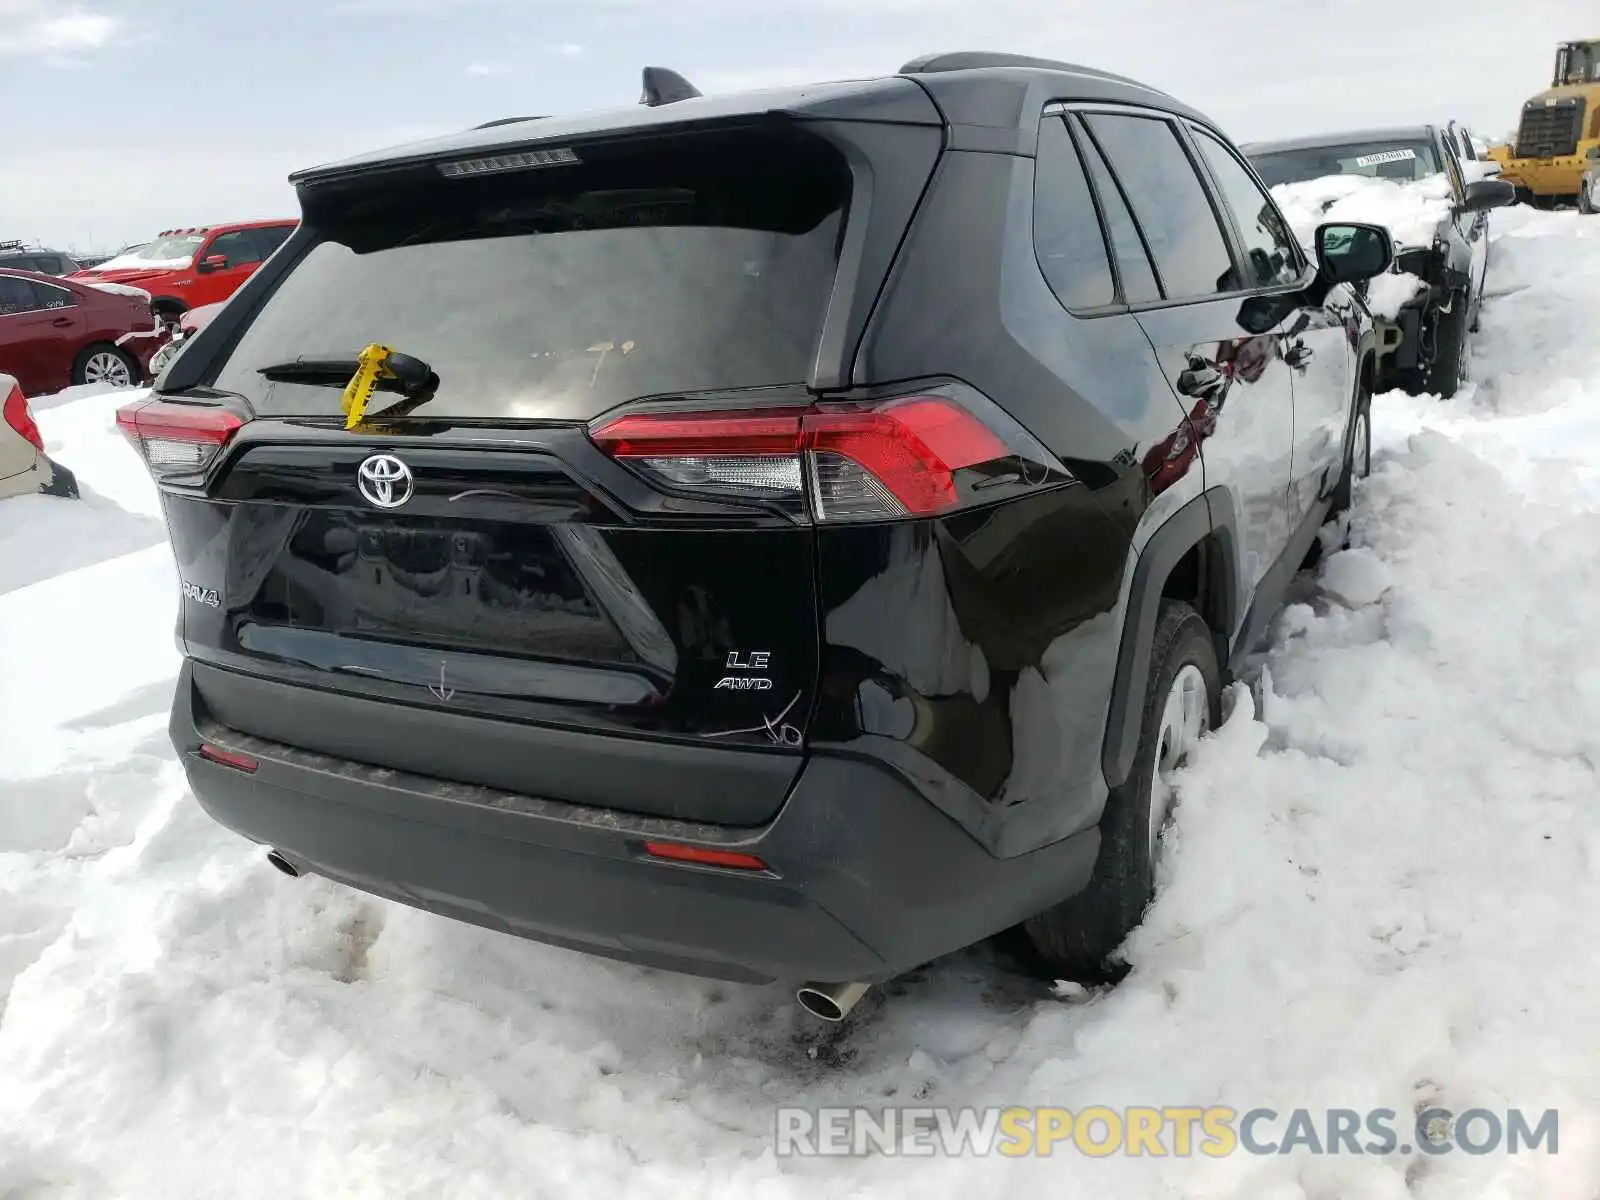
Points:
(874, 460)
(909, 448)
(754, 454)
(176, 439)
(20, 417)
(709, 858)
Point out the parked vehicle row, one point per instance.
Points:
(188, 268)
(1426, 346)
(18, 256)
(58, 332)
(785, 535)
(118, 323)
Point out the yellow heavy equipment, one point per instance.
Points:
(1558, 135)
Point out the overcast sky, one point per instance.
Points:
(124, 117)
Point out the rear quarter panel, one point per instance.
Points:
(981, 649)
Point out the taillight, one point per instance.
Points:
(176, 439)
(20, 417)
(919, 455)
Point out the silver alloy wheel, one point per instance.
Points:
(105, 366)
(1185, 718)
(1361, 455)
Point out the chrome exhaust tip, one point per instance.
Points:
(283, 864)
(830, 1001)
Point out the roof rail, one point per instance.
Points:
(662, 86)
(973, 60)
(508, 121)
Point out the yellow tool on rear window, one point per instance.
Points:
(375, 365)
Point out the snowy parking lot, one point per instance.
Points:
(1385, 873)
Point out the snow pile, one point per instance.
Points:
(134, 261)
(1412, 210)
(1380, 894)
(118, 289)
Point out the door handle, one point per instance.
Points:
(62, 322)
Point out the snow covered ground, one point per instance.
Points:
(1381, 895)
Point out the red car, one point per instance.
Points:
(186, 268)
(56, 332)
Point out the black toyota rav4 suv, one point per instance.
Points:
(795, 534)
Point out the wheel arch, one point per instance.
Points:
(1193, 556)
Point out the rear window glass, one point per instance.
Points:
(698, 265)
(1404, 161)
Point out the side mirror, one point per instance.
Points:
(1484, 194)
(213, 262)
(1351, 253)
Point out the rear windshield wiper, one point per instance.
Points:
(377, 367)
(403, 373)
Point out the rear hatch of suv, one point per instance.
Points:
(526, 573)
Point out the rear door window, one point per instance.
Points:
(17, 296)
(1170, 203)
(701, 264)
(1138, 277)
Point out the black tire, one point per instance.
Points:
(1452, 347)
(81, 365)
(1357, 455)
(1077, 938)
(1586, 193)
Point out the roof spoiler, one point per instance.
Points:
(662, 86)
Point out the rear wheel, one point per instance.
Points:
(1452, 350)
(1076, 938)
(105, 364)
(1357, 456)
(1589, 195)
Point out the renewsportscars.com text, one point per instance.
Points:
(1214, 1132)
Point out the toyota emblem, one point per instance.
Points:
(384, 480)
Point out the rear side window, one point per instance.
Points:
(1066, 232)
(1267, 241)
(53, 297)
(700, 264)
(1169, 202)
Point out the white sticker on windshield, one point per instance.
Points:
(1372, 160)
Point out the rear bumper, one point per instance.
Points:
(46, 477)
(867, 880)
